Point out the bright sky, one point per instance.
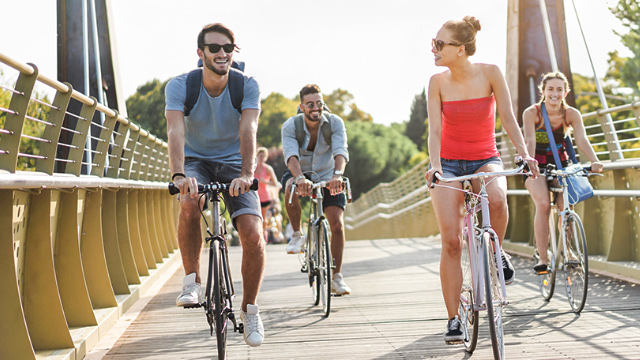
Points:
(377, 50)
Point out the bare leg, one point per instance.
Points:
(497, 192)
(336, 222)
(540, 196)
(448, 207)
(189, 235)
(253, 257)
(294, 210)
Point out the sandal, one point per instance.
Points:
(541, 269)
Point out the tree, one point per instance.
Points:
(146, 108)
(276, 109)
(377, 153)
(627, 70)
(417, 126)
(341, 103)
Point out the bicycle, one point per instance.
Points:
(571, 256)
(483, 285)
(219, 292)
(316, 258)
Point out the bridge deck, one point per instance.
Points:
(395, 312)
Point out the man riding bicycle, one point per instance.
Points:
(310, 156)
(216, 142)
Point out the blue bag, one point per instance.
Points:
(578, 186)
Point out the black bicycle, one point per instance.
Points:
(219, 292)
(316, 258)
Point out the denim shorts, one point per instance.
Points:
(206, 171)
(455, 168)
(339, 200)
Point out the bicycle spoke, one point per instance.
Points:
(576, 265)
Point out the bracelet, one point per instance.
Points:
(301, 176)
(177, 174)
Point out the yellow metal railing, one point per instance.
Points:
(403, 208)
(79, 239)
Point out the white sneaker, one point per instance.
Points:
(295, 245)
(253, 328)
(190, 295)
(338, 285)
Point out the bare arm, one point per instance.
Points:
(335, 184)
(575, 120)
(529, 118)
(509, 123)
(175, 133)
(434, 109)
(248, 134)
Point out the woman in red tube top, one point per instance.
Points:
(462, 104)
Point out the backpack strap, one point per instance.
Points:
(194, 82)
(325, 128)
(235, 84)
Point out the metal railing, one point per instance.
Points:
(83, 230)
(403, 207)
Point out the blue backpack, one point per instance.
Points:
(235, 84)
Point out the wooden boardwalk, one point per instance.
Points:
(395, 312)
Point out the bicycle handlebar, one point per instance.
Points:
(522, 165)
(204, 188)
(550, 170)
(322, 184)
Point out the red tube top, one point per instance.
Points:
(468, 129)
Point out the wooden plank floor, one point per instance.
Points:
(395, 312)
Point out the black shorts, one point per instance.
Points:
(206, 171)
(339, 200)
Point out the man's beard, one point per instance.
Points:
(211, 66)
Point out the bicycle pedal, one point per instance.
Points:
(193, 306)
(241, 328)
(454, 342)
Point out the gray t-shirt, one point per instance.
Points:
(212, 129)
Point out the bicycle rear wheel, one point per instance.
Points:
(324, 267)
(218, 294)
(576, 266)
(493, 293)
(468, 316)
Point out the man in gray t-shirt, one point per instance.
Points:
(216, 142)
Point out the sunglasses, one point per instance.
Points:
(439, 44)
(311, 105)
(214, 48)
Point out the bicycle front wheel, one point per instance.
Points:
(493, 293)
(218, 294)
(324, 267)
(576, 265)
(468, 316)
(547, 282)
(312, 263)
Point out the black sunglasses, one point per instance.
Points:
(439, 44)
(214, 48)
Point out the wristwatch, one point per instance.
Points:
(337, 172)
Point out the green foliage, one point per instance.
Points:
(417, 126)
(146, 108)
(377, 154)
(276, 109)
(341, 103)
(627, 70)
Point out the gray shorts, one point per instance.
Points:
(207, 171)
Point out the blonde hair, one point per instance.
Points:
(263, 150)
(464, 32)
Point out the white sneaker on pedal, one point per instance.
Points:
(295, 245)
(253, 329)
(338, 285)
(190, 295)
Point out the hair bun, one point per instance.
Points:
(475, 23)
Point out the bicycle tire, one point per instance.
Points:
(468, 316)
(312, 263)
(324, 267)
(547, 282)
(576, 264)
(218, 294)
(493, 298)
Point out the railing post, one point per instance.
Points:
(14, 121)
(608, 129)
(52, 133)
(102, 148)
(83, 126)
